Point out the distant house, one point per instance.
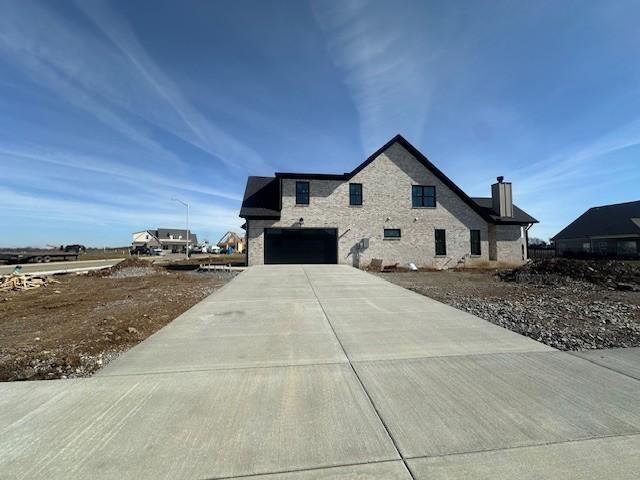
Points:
(171, 239)
(232, 240)
(611, 231)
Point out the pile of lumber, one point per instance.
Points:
(18, 281)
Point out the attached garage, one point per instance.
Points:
(300, 245)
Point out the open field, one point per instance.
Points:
(73, 328)
(568, 315)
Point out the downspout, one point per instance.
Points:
(526, 238)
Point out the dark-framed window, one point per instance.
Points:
(476, 249)
(355, 194)
(392, 233)
(302, 193)
(441, 242)
(423, 196)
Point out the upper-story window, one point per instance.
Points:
(302, 193)
(355, 194)
(423, 196)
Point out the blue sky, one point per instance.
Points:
(110, 109)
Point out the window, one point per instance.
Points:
(391, 233)
(302, 193)
(475, 242)
(441, 242)
(423, 196)
(355, 194)
(627, 247)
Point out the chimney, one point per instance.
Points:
(502, 202)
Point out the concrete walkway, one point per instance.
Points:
(60, 266)
(326, 372)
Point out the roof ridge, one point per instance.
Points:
(614, 204)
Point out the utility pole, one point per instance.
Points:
(188, 235)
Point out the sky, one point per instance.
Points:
(108, 110)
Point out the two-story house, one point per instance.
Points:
(171, 239)
(396, 206)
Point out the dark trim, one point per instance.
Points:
(443, 243)
(308, 193)
(393, 237)
(471, 242)
(423, 196)
(261, 217)
(361, 195)
(310, 176)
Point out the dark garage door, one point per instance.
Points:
(300, 245)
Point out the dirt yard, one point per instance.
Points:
(75, 327)
(561, 312)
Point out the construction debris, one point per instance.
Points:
(19, 281)
(613, 275)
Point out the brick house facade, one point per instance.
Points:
(388, 208)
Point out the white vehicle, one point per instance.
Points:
(214, 249)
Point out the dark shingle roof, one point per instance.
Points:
(261, 198)
(165, 234)
(603, 221)
(519, 216)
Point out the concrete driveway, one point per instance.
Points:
(326, 372)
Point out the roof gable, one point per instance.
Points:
(262, 194)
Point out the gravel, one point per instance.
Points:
(133, 272)
(560, 312)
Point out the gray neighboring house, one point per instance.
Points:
(611, 231)
(171, 239)
(395, 206)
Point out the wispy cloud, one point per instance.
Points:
(114, 79)
(140, 178)
(580, 162)
(198, 130)
(385, 59)
(52, 208)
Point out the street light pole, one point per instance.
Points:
(186, 205)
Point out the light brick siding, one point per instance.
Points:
(511, 243)
(386, 185)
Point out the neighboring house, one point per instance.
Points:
(611, 231)
(232, 240)
(172, 239)
(396, 206)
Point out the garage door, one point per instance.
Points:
(300, 245)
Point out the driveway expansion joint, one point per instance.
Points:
(523, 447)
(373, 405)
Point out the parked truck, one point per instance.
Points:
(37, 256)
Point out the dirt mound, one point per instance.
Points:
(130, 267)
(614, 275)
